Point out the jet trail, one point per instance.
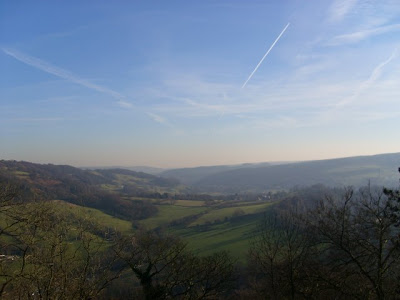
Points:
(64, 74)
(265, 55)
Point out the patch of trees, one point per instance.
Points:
(135, 191)
(150, 180)
(227, 200)
(50, 172)
(344, 247)
(115, 205)
(166, 269)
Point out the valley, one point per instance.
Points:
(93, 217)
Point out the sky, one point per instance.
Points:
(175, 84)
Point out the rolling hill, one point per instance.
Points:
(356, 171)
(190, 176)
(111, 190)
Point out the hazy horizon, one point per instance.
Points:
(183, 84)
(194, 166)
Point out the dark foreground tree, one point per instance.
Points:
(207, 277)
(281, 259)
(394, 201)
(359, 245)
(166, 269)
(343, 248)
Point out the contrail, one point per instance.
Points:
(376, 73)
(265, 55)
(64, 74)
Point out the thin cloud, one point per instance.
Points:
(298, 103)
(220, 109)
(124, 104)
(358, 36)
(158, 119)
(38, 119)
(378, 70)
(201, 99)
(59, 72)
(375, 74)
(340, 8)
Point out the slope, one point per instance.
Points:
(356, 171)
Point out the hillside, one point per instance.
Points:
(143, 169)
(112, 190)
(53, 177)
(355, 171)
(190, 176)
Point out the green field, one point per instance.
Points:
(215, 229)
(220, 214)
(189, 203)
(234, 237)
(97, 215)
(76, 214)
(168, 213)
(21, 174)
(205, 236)
(109, 187)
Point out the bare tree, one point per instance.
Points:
(281, 258)
(206, 277)
(359, 244)
(149, 255)
(394, 202)
(344, 247)
(166, 269)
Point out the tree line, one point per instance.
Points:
(344, 247)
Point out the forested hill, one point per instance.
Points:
(190, 176)
(110, 190)
(355, 171)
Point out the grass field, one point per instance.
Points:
(21, 174)
(215, 230)
(109, 187)
(169, 213)
(222, 213)
(97, 215)
(234, 237)
(204, 236)
(189, 203)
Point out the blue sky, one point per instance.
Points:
(159, 83)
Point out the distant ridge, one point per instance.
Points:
(378, 169)
(144, 169)
(57, 181)
(190, 176)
